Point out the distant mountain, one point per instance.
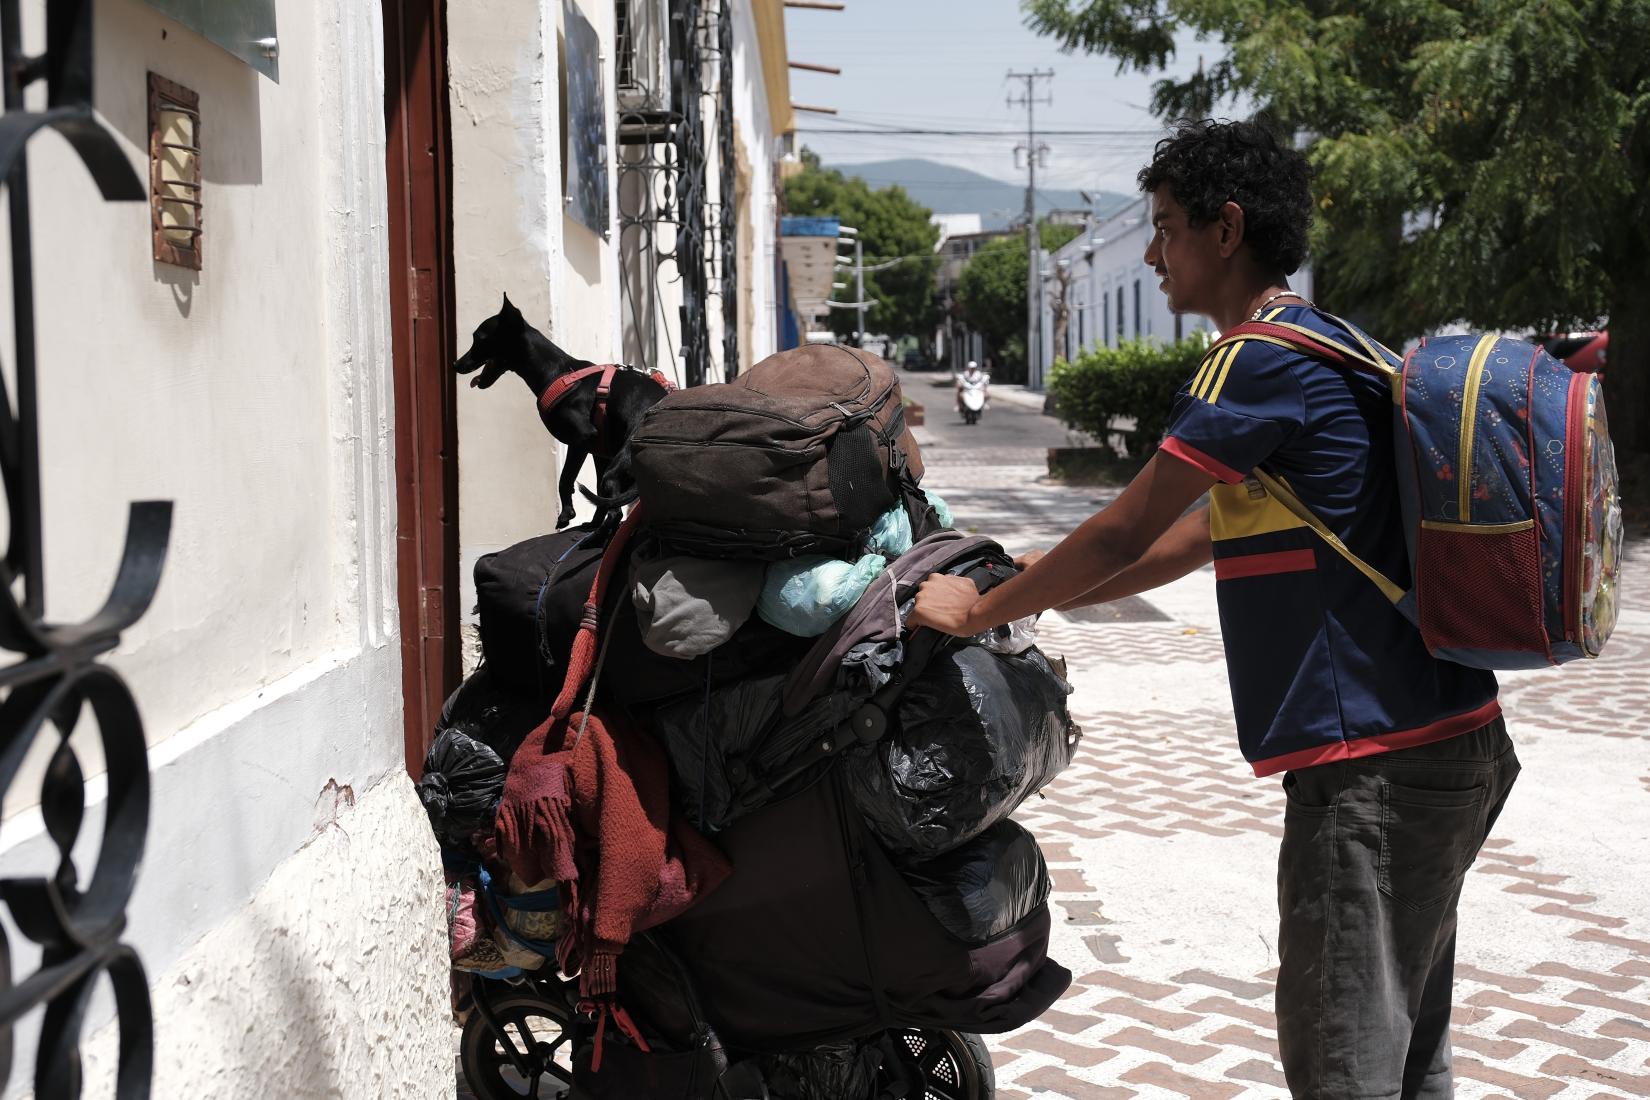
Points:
(947, 189)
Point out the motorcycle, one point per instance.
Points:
(971, 398)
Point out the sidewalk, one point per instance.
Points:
(1162, 847)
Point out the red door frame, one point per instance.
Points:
(424, 345)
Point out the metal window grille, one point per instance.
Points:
(625, 43)
(57, 678)
(674, 227)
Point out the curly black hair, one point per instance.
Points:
(1207, 164)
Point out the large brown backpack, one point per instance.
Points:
(799, 455)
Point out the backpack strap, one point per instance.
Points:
(582, 659)
(1289, 500)
(1369, 359)
(1315, 344)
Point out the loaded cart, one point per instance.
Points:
(841, 904)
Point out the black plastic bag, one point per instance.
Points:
(833, 1071)
(985, 887)
(462, 781)
(728, 744)
(486, 708)
(974, 735)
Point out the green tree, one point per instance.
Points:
(991, 295)
(1478, 162)
(895, 230)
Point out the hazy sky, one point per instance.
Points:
(941, 64)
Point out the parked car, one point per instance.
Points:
(1580, 351)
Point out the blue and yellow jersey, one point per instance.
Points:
(1322, 666)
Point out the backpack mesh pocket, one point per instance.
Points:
(1480, 588)
(858, 478)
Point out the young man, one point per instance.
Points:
(1395, 764)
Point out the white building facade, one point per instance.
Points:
(1111, 294)
(268, 345)
(287, 910)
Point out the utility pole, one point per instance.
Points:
(859, 287)
(859, 304)
(1034, 280)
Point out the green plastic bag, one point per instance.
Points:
(804, 596)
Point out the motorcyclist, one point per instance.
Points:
(973, 377)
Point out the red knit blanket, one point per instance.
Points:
(595, 816)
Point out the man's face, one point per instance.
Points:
(1187, 259)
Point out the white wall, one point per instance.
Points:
(507, 231)
(512, 234)
(761, 208)
(1109, 257)
(256, 394)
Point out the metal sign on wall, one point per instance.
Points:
(246, 28)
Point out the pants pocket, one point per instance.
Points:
(1312, 792)
(1428, 840)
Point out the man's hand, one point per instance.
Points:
(943, 603)
(1105, 544)
(1029, 558)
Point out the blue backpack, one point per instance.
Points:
(1507, 480)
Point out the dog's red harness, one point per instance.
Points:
(559, 389)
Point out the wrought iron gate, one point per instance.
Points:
(669, 214)
(57, 677)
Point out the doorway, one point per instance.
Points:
(424, 346)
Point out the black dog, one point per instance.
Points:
(506, 342)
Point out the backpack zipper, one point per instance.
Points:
(1469, 421)
(662, 441)
(871, 408)
(1575, 468)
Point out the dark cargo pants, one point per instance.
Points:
(1373, 857)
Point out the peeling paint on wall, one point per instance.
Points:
(332, 982)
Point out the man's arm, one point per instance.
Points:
(1108, 542)
(1184, 547)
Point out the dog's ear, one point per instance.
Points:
(509, 312)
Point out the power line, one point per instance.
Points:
(922, 132)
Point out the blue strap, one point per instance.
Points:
(535, 902)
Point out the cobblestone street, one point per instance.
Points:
(1162, 844)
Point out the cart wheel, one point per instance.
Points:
(949, 1065)
(540, 1032)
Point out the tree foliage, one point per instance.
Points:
(991, 294)
(1478, 162)
(892, 226)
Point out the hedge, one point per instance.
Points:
(1137, 380)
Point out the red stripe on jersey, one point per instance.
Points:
(1211, 466)
(1441, 730)
(1261, 565)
